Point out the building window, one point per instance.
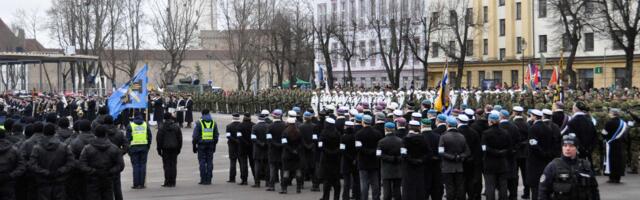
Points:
(435, 17)
(405, 81)
(543, 43)
(363, 81)
(435, 49)
(373, 81)
(485, 47)
(372, 50)
(566, 42)
(481, 77)
(542, 8)
(519, 44)
(453, 17)
(514, 77)
(468, 17)
(588, 42)
(497, 77)
(518, 11)
(468, 79)
(621, 77)
(383, 80)
(502, 27)
(616, 45)
(363, 14)
(501, 2)
(485, 14)
(502, 53)
(452, 47)
(585, 78)
(469, 47)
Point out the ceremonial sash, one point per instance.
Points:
(622, 128)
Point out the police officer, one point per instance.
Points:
(50, 161)
(100, 160)
(205, 139)
(169, 145)
(139, 136)
(233, 145)
(12, 167)
(568, 177)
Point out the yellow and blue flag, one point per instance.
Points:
(442, 101)
(132, 94)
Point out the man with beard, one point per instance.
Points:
(51, 161)
(169, 145)
(233, 145)
(259, 140)
(100, 160)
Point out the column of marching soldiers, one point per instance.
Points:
(418, 153)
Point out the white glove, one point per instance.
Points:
(403, 151)
(228, 134)
(342, 146)
(358, 144)
(319, 144)
(269, 136)
(239, 134)
(284, 140)
(631, 123)
(484, 147)
(440, 149)
(378, 152)
(253, 136)
(604, 132)
(314, 137)
(533, 142)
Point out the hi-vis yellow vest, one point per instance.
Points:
(139, 134)
(207, 130)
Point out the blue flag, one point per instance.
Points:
(132, 94)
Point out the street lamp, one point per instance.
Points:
(524, 49)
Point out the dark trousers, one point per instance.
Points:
(51, 191)
(495, 181)
(245, 155)
(233, 160)
(391, 189)
(369, 178)
(331, 182)
(534, 192)
(205, 160)
(473, 184)
(139, 164)
(413, 183)
(522, 167)
(169, 162)
(287, 179)
(7, 190)
(100, 188)
(433, 181)
(274, 172)
(262, 173)
(454, 185)
(117, 187)
(351, 185)
(77, 188)
(512, 187)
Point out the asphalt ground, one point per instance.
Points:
(188, 178)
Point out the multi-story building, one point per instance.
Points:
(504, 36)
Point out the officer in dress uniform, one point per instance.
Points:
(205, 139)
(568, 177)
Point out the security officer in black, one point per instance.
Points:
(232, 143)
(568, 177)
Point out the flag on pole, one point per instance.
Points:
(442, 101)
(554, 76)
(132, 94)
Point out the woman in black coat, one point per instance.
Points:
(614, 135)
(291, 146)
(330, 159)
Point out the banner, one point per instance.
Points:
(132, 94)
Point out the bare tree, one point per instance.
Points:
(134, 17)
(238, 16)
(116, 11)
(31, 21)
(620, 19)
(391, 34)
(323, 32)
(346, 36)
(456, 31)
(424, 25)
(175, 24)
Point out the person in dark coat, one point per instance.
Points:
(260, 149)
(540, 151)
(245, 147)
(50, 162)
(330, 159)
(158, 109)
(274, 136)
(348, 167)
(180, 103)
(555, 131)
(559, 117)
(64, 133)
(340, 120)
(521, 147)
(309, 131)
(614, 134)
(77, 180)
(12, 166)
(413, 162)
(100, 160)
(169, 145)
(117, 137)
(454, 150)
(432, 174)
(512, 167)
(496, 144)
(204, 141)
(26, 183)
(291, 142)
(472, 171)
(139, 137)
(102, 113)
(480, 124)
(582, 125)
(389, 152)
(188, 115)
(368, 164)
(401, 126)
(233, 145)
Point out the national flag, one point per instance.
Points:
(554, 76)
(132, 94)
(442, 101)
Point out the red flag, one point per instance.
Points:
(554, 76)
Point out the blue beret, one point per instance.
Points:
(442, 117)
(494, 117)
(432, 111)
(390, 125)
(359, 117)
(307, 114)
(452, 121)
(426, 102)
(297, 109)
(497, 107)
(367, 119)
(504, 113)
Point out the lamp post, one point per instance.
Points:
(524, 49)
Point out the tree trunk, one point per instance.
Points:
(459, 73)
(349, 73)
(629, 54)
(570, 72)
(425, 74)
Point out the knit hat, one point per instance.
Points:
(100, 131)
